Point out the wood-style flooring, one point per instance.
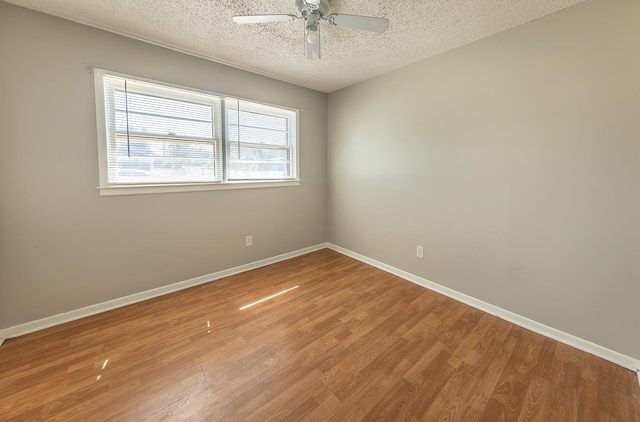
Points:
(350, 343)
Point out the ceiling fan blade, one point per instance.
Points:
(312, 41)
(264, 18)
(365, 23)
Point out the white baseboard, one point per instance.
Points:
(569, 339)
(58, 319)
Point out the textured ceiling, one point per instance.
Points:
(417, 30)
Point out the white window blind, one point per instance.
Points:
(155, 137)
(261, 141)
(159, 134)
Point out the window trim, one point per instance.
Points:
(109, 189)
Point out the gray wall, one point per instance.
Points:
(515, 162)
(62, 246)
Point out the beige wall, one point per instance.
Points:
(515, 162)
(62, 246)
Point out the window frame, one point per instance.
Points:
(107, 188)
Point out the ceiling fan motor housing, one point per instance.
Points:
(308, 7)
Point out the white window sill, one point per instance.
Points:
(191, 187)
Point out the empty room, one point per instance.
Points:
(320, 210)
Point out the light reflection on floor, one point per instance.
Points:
(267, 298)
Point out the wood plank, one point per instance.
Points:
(352, 342)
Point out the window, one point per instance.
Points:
(261, 141)
(157, 138)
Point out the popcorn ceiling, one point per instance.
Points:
(417, 30)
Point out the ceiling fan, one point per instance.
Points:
(313, 11)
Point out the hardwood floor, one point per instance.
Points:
(350, 343)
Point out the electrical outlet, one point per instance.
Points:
(419, 251)
(248, 241)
